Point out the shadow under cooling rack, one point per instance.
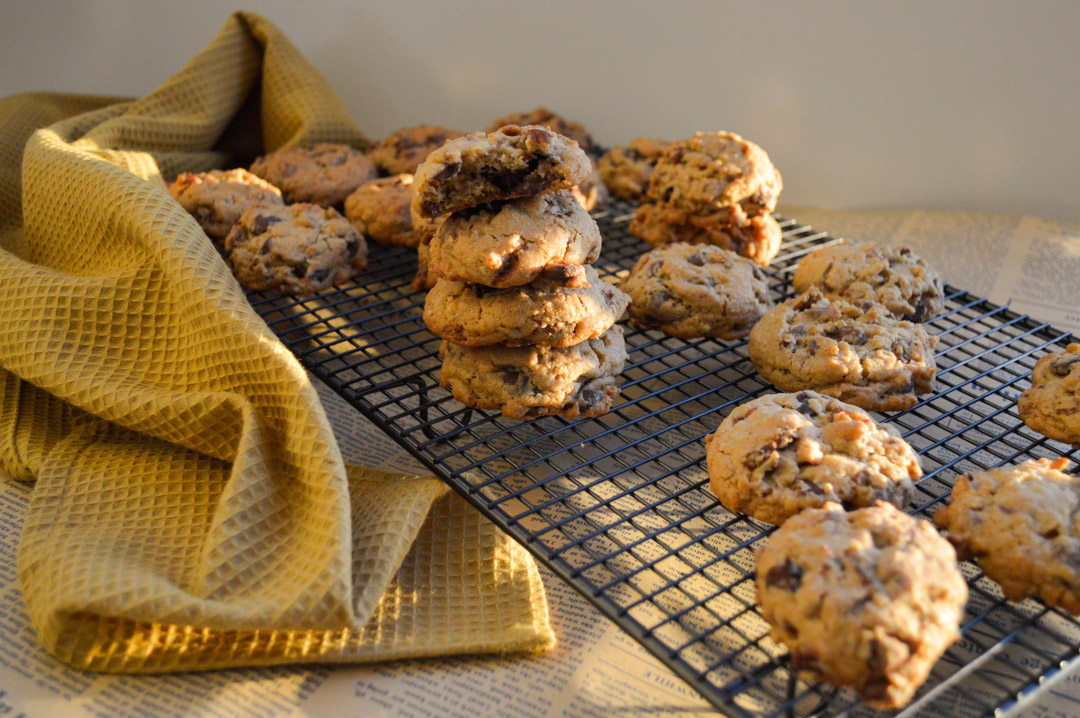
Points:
(618, 505)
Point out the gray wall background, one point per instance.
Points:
(862, 105)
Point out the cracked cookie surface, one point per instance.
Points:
(544, 312)
(1051, 406)
(691, 291)
(868, 599)
(858, 353)
(782, 453)
(323, 174)
(402, 151)
(217, 198)
(507, 244)
(511, 162)
(532, 381)
(892, 275)
(1021, 524)
(755, 237)
(714, 170)
(379, 209)
(295, 249)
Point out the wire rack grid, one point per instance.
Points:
(618, 505)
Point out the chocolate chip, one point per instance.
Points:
(922, 309)
(697, 259)
(743, 417)
(509, 263)
(852, 335)
(448, 171)
(300, 270)
(265, 249)
(238, 234)
(564, 274)
(319, 275)
(263, 222)
(1062, 366)
(804, 408)
(352, 247)
(804, 658)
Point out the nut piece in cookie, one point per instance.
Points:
(402, 151)
(892, 275)
(626, 170)
(323, 174)
(868, 599)
(692, 291)
(1051, 406)
(782, 453)
(755, 237)
(1019, 523)
(544, 312)
(543, 117)
(507, 244)
(379, 210)
(512, 162)
(858, 353)
(712, 171)
(533, 381)
(217, 198)
(295, 249)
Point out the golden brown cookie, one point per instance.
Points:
(892, 275)
(1051, 406)
(712, 171)
(868, 599)
(690, 291)
(512, 162)
(757, 238)
(294, 249)
(782, 453)
(544, 312)
(323, 174)
(1021, 524)
(626, 170)
(402, 151)
(379, 209)
(217, 198)
(507, 244)
(858, 353)
(531, 381)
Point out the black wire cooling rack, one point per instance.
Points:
(618, 505)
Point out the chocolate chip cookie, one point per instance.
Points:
(1052, 405)
(714, 170)
(691, 291)
(531, 381)
(512, 162)
(379, 209)
(858, 353)
(295, 249)
(757, 238)
(782, 453)
(1021, 524)
(892, 275)
(626, 170)
(868, 599)
(510, 243)
(544, 312)
(323, 174)
(402, 151)
(543, 117)
(217, 198)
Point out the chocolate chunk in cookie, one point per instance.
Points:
(858, 353)
(782, 453)
(892, 275)
(1021, 524)
(692, 291)
(532, 381)
(512, 162)
(1051, 406)
(323, 174)
(868, 599)
(217, 198)
(507, 244)
(295, 249)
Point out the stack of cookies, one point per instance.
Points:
(714, 188)
(528, 326)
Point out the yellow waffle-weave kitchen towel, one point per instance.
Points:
(191, 507)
